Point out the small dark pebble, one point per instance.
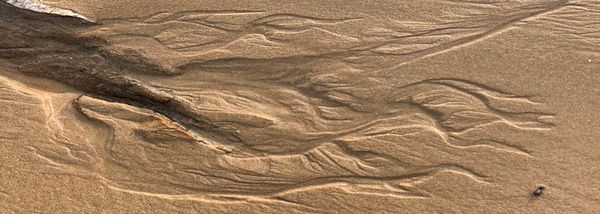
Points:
(539, 191)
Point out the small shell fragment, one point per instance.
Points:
(539, 191)
(35, 5)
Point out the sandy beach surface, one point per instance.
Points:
(340, 106)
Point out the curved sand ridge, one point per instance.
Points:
(246, 142)
(249, 108)
(444, 129)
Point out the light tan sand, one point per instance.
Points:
(307, 107)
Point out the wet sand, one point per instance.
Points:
(299, 107)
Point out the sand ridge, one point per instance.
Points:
(228, 108)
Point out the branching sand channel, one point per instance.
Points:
(287, 117)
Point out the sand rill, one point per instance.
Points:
(399, 107)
